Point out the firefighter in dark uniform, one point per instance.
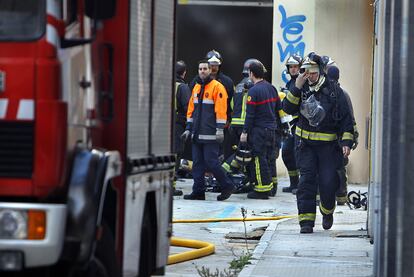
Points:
(216, 60)
(182, 96)
(206, 118)
(239, 115)
(342, 193)
(288, 145)
(259, 130)
(324, 135)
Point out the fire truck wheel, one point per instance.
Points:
(148, 244)
(104, 262)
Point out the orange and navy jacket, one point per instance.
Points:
(263, 107)
(207, 110)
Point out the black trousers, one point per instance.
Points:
(262, 142)
(318, 164)
(289, 159)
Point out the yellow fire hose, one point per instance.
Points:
(203, 248)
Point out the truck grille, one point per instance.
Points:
(16, 149)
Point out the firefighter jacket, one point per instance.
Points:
(289, 86)
(228, 84)
(207, 110)
(337, 123)
(239, 103)
(263, 106)
(182, 96)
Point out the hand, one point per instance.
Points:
(186, 135)
(243, 137)
(219, 135)
(346, 151)
(301, 79)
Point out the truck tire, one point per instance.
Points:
(148, 245)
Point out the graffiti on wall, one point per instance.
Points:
(292, 28)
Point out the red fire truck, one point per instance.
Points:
(86, 88)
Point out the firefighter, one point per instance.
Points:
(288, 145)
(324, 118)
(342, 193)
(206, 118)
(216, 61)
(182, 96)
(239, 114)
(260, 129)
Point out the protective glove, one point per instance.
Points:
(286, 132)
(300, 80)
(186, 135)
(243, 137)
(219, 135)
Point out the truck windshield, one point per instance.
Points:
(22, 20)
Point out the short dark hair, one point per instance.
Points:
(180, 67)
(204, 61)
(257, 69)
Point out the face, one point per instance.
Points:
(203, 70)
(293, 69)
(313, 77)
(214, 69)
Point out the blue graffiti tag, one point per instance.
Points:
(292, 29)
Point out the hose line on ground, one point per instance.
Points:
(203, 248)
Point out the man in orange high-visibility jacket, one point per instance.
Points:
(206, 117)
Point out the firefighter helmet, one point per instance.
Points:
(246, 65)
(313, 63)
(293, 60)
(214, 53)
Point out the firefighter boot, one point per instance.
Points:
(272, 192)
(193, 196)
(327, 221)
(258, 195)
(306, 229)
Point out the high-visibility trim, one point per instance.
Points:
(355, 128)
(348, 136)
(262, 102)
(326, 211)
(292, 99)
(237, 121)
(307, 217)
(208, 101)
(235, 164)
(342, 199)
(315, 135)
(263, 188)
(226, 167)
(295, 116)
(207, 137)
(274, 181)
(293, 173)
(190, 119)
(258, 176)
(243, 112)
(222, 121)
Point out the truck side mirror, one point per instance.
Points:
(100, 9)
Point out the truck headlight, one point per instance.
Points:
(22, 224)
(13, 224)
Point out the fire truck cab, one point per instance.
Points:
(86, 91)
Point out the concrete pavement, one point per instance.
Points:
(282, 251)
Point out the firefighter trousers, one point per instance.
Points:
(262, 143)
(205, 157)
(289, 159)
(318, 164)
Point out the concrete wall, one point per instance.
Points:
(342, 30)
